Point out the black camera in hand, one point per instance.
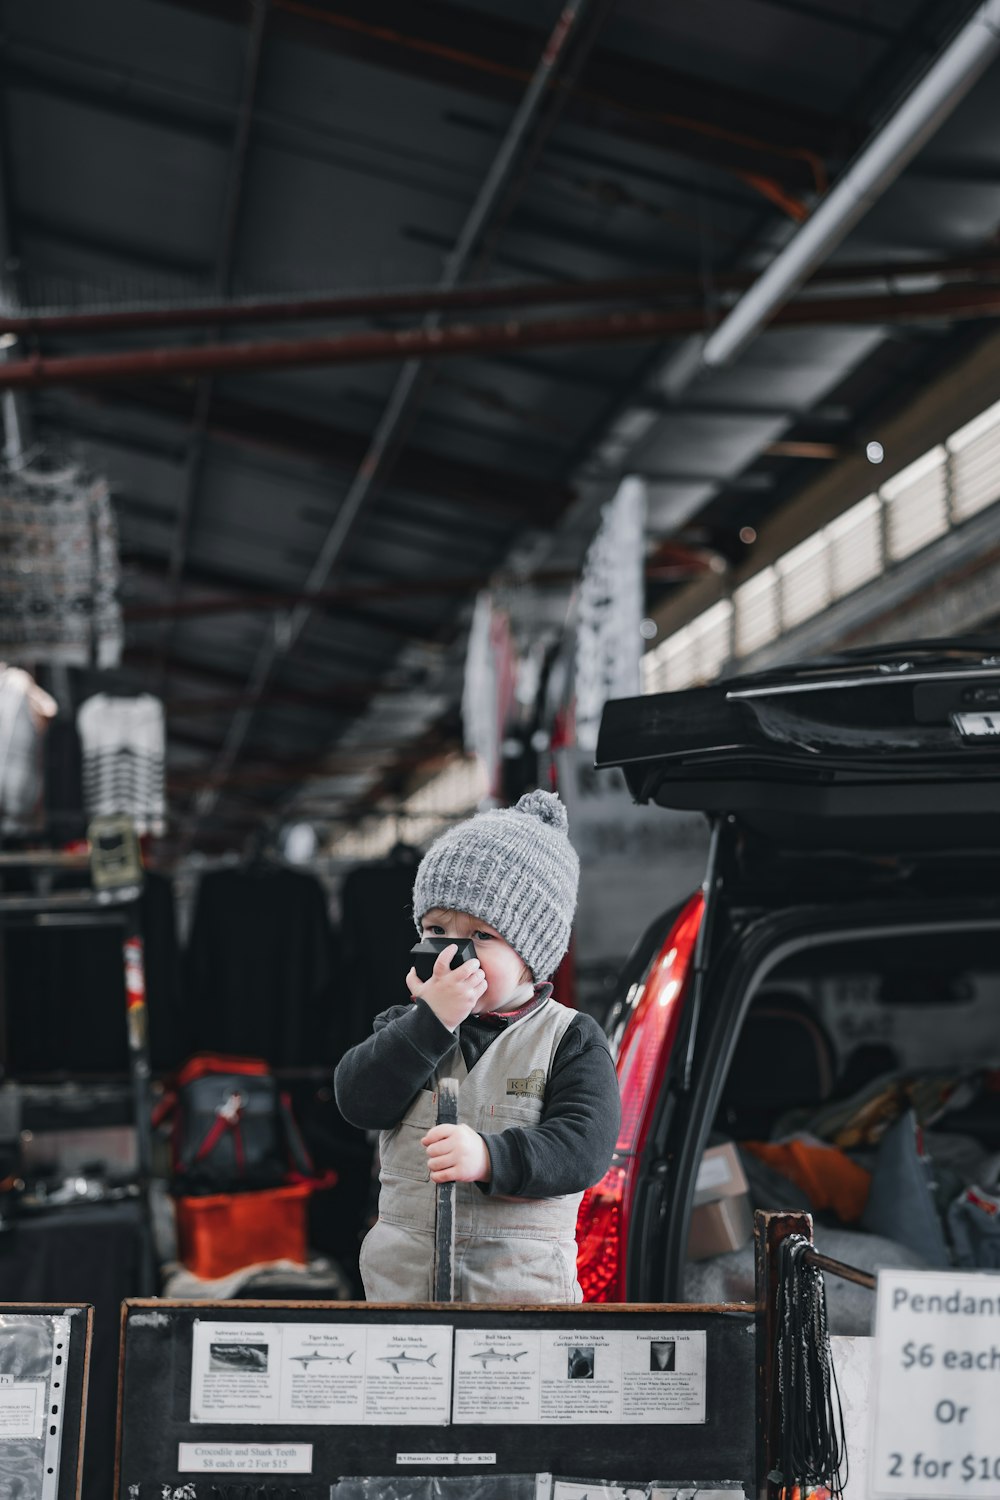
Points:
(425, 954)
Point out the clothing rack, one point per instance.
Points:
(115, 906)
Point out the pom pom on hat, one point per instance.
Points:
(545, 806)
(514, 868)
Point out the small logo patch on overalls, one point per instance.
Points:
(534, 1085)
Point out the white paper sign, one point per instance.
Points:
(320, 1373)
(936, 1412)
(22, 1409)
(580, 1376)
(446, 1460)
(581, 1489)
(244, 1458)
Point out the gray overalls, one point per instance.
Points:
(506, 1249)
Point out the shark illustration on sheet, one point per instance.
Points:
(307, 1359)
(499, 1354)
(406, 1358)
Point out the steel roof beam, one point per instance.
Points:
(414, 345)
(380, 304)
(361, 304)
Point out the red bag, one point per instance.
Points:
(232, 1129)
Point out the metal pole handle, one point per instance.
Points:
(444, 1222)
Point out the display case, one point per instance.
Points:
(357, 1401)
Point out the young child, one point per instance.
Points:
(539, 1108)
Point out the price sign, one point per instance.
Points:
(936, 1413)
(244, 1458)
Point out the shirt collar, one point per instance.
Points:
(525, 999)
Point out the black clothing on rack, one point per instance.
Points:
(261, 967)
(65, 993)
(65, 817)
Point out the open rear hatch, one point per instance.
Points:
(892, 749)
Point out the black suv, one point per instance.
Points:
(838, 971)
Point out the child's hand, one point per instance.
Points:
(455, 1153)
(451, 993)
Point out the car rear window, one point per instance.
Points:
(864, 1087)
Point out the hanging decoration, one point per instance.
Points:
(610, 610)
(59, 570)
(122, 741)
(488, 687)
(479, 700)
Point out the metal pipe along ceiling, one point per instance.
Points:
(924, 109)
(471, 298)
(462, 339)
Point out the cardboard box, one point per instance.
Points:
(723, 1217)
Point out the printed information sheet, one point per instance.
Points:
(584, 1489)
(34, 1353)
(592, 1375)
(22, 1408)
(323, 1373)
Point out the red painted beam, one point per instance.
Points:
(948, 303)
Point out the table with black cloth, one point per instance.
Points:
(87, 1254)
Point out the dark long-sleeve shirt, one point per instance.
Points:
(568, 1150)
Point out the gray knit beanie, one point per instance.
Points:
(514, 868)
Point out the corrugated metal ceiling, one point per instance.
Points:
(693, 140)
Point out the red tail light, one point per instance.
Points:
(602, 1225)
